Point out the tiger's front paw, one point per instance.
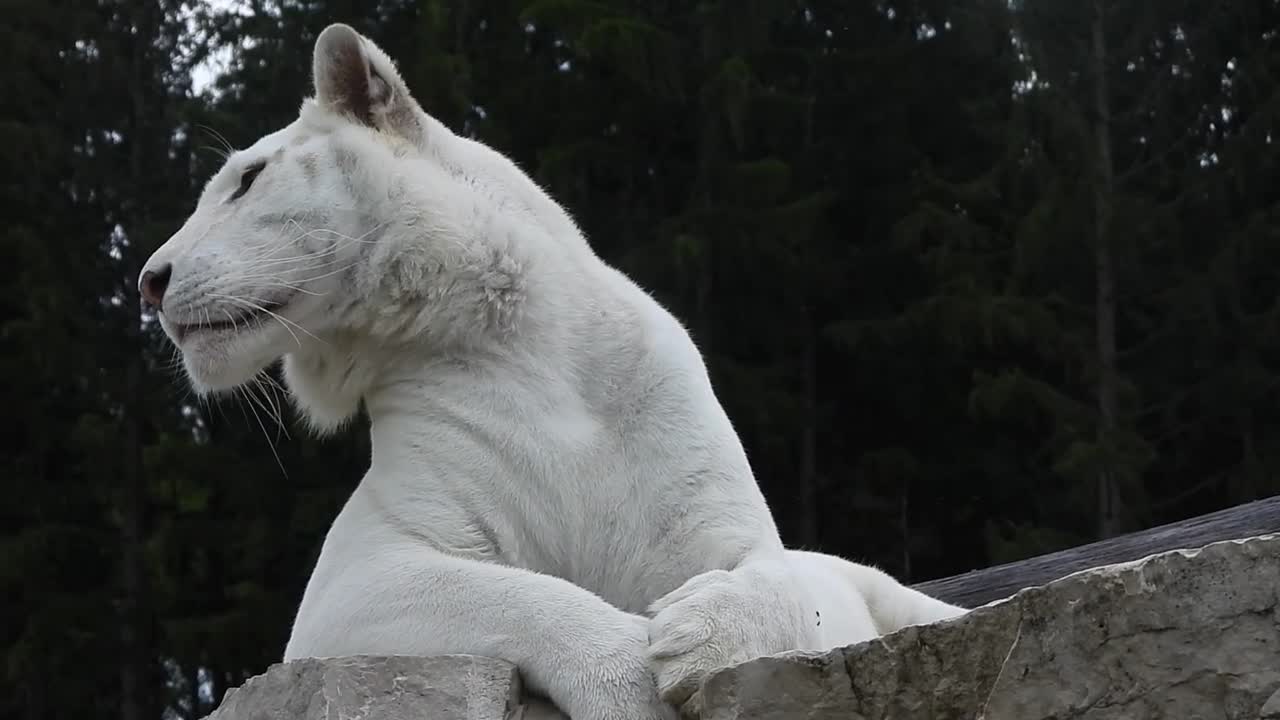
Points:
(717, 619)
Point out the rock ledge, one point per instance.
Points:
(447, 687)
(1183, 634)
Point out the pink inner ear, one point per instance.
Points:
(351, 79)
(354, 78)
(342, 74)
(379, 89)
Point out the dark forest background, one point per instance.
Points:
(976, 280)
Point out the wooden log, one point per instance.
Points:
(979, 587)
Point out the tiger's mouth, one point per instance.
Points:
(237, 318)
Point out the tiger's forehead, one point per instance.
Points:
(294, 134)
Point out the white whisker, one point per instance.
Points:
(269, 385)
(266, 435)
(332, 272)
(219, 137)
(284, 321)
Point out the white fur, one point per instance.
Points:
(553, 480)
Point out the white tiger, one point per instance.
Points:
(553, 481)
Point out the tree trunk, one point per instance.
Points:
(710, 153)
(1245, 487)
(810, 530)
(133, 654)
(810, 516)
(904, 527)
(193, 692)
(134, 660)
(1110, 509)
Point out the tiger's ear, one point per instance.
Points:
(355, 78)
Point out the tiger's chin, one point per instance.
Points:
(219, 359)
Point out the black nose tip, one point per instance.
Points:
(153, 283)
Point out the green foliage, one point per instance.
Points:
(876, 219)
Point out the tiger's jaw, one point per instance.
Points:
(224, 346)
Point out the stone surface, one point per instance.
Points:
(1271, 708)
(464, 687)
(1184, 634)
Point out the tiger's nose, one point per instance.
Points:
(153, 283)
